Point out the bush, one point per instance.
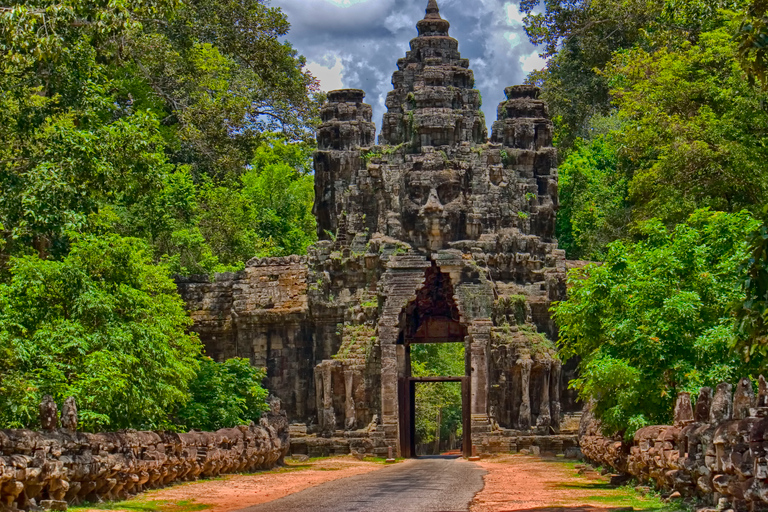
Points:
(225, 395)
(655, 319)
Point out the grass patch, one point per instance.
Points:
(147, 506)
(619, 497)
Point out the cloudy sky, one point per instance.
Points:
(356, 43)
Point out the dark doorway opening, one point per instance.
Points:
(436, 351)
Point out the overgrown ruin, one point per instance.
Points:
(437, 234)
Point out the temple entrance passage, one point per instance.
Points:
(435, 400)
(437, 416)
(434, 385)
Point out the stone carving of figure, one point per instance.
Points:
(69, 415)
(434, 209)
(49, 414)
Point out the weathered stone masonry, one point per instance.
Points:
(436, 234)
(60, 466)
(716, 453)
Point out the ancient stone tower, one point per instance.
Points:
(434, 235)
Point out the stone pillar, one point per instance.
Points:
(480, 335)
(389, 389)
(326, 416)
(545, 417)
(524, 420)
(554, 394)
(350, 415)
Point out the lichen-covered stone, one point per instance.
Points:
(717, 460)
(435, 234)
(52, 468)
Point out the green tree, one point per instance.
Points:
(655, 318)
(753, 41)
(110, 112)
(438, 400)
(752, 311)
(594, 196)
(695, 131)
(225, 395)
(104, 325)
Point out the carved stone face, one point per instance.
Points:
(434, 207)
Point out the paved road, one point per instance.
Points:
(422, 485)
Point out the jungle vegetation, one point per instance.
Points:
(142, 139)
(139, 140)
(662, 128)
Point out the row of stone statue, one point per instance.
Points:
(58, 467)
(715, 453)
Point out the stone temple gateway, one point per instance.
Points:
(437, 234)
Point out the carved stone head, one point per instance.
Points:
(69, 415)
(434, 207)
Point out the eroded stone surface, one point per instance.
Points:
(720, 458)
(434, 234)
(57, 467)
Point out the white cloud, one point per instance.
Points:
(514, 16)
(532, 62)
(345, 3)
(329, 76)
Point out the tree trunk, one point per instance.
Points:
(437, 431)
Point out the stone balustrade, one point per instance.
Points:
(59, 466)
(716, 453)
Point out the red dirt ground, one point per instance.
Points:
(520, 483)
(240, 491)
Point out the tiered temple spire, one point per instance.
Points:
(434, 102)
(433, 24)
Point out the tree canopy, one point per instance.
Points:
(139, 140)
(655, 318)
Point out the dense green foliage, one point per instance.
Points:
(438, 405)
(752, 311)
(753, 41)
(653, 108)
(224, 395)
(137, 140)
(655, 318)
(151, 120)
(104, 325)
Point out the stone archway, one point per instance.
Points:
(431, 317)
(401, 322)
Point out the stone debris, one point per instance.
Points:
(721, 462)
(57, 467)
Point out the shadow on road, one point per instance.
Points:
(438, 457)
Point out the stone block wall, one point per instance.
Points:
(716, 453)
(260, 314)
(59, 467)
